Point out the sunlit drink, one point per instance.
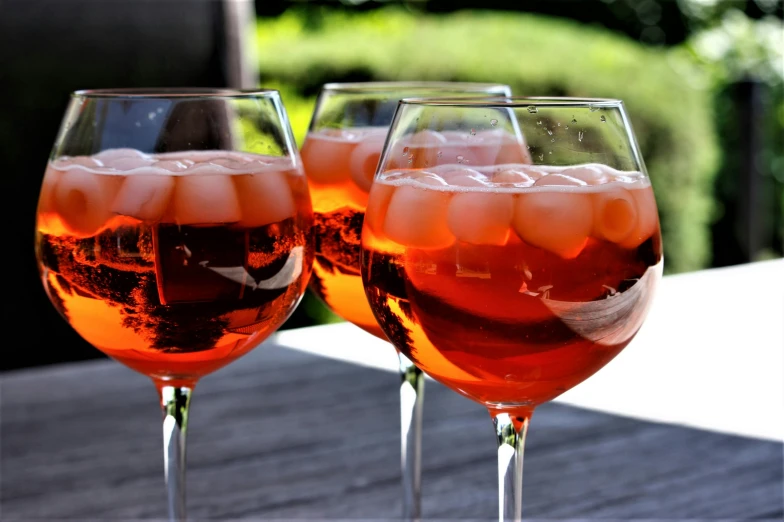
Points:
(340, 153)
(174, 234)
(173, 264)
(526, 280)
(516, 264)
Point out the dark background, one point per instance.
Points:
(49, 48)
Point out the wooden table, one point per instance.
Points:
(287, 435)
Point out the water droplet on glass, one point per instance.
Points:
(460, 159)
(410, 161)
(549, 132)
(580, 136)
(603, 119)
(541, 157)
(493, 123)
(539, 122)
(138, 124)
(559, 123)
(159, 110)
(552, 140)
(593, 108)
(439, 154)
(550, 151)
(567, 127)
(405, 151)
(532, 109)
(151, 115)
(574, 120)
(473, 132)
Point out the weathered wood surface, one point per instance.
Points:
(285, 435)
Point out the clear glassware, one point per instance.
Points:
(340, 154)
(516, 264)
(174, 234)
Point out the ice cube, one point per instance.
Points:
(590, 174)
(84, 199)
(553, 220)
(109, 156)
(464, 177)
(481, 218)
(171, 165)
(377, 204)
(83, 161)
(428, 178)
(126, 164)
(327, 160)
(614, 213)
(364, 160)
(516, 177)
(48, 185)
(205, 198)
(265, 198)
(144, 196)
(417, 218)
(231, 163)
(647, 217)
(552, 180)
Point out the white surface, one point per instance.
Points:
(710, 354)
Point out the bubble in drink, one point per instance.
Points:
(144, 196)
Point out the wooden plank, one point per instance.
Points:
(285, 435)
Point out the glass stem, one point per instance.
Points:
(412, 393)
(174, 402)
(511, 430)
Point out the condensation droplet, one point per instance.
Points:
(567, 127)
(552, 140)
(549, 132)
(410, 161)
(539, 122)
(493, 123)
(559, 123)
(574, 120)
(593, 108)
(439, 154)
(580, 136)
(473, 132)
(550, 151)
(405, 151)
(603, 119)
(460, 159)
(532, 109)
(541, 157)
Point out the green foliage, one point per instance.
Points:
(537, 56)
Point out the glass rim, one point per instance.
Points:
(173, 92)
(393, 87)
(512, 101)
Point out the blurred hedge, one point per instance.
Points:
(671, 114)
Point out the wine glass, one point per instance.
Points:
(174, 234)
(510, 281)
(340, 154)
